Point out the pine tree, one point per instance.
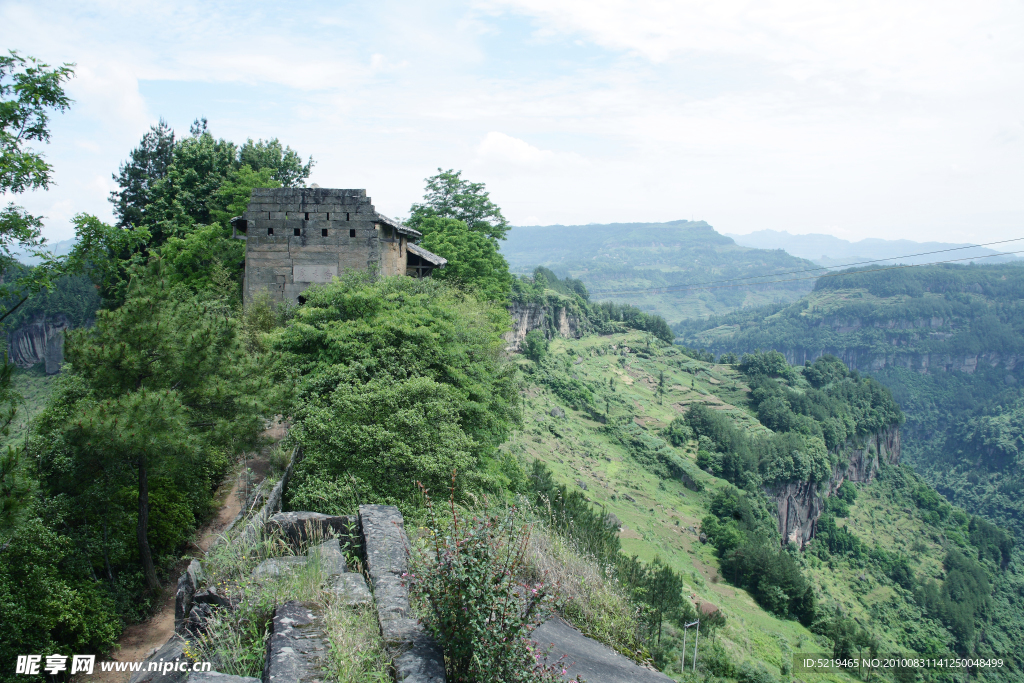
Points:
(147, 165)
(165, 380)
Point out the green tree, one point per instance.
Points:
(136, 177)
(29, 90)
(473, 260)
(206, 259)
(164, 378)
(284, 163)
(375, 336)
(376, 441)
(535, 345)
(233, 195)
(200, 164)
(449, 195)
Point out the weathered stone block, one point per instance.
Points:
(400, 632)
(351, 588)
(392, 596)
(217, 677)
(296, 526)
(331, 559)
(421, 662)
(171, 651)
(278, 566)
(384, 536)
(188, 584)
(296, 649)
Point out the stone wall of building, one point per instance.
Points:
(297, 237)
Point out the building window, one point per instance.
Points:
(352, 232)
(307, 215)
(348, 216)
(298, 232)
(270, 231)
(323, 232)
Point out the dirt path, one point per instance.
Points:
(140, 640)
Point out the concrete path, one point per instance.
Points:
(597, 663)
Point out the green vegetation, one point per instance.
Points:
(409, 370)
(545, 288)
(467, 575)
(473, 259)
(860, 586)
(108, 482)
(634, 484)
(450, 196)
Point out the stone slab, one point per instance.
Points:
(217, 677)
(278, 566)
(351, 588)
(332, 561)
(171, 651)
(295, 526)
(296, 650)
(594, 661)
(385, 541)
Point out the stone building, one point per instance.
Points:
(297, 237)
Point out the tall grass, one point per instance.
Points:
(594, 600)
(236, 640)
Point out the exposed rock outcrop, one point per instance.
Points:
(40, 341)
(801, 503)
(552, 319)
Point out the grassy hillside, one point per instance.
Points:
(900, 524)
(625, 257)
(34, 386)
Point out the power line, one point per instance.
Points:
(687, 288)
(847, 265)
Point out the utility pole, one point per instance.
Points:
(696, 637)
(682, 657)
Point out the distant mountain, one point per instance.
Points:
(56, 248)
(624, 261)
(827, 250)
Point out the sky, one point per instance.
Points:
(891, 119)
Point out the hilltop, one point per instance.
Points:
(828, 250)
(618, 259)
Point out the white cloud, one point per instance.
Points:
(505, 148)
(890, 119)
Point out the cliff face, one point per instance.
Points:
(40, 341)
(801, 503)
(552, 319)
(869, 361)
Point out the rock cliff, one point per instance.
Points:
(40, 341)
(553, 319)
(801, 503)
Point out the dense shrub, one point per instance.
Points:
(399, 380)
(49, 602)
(742, 529)
(479, 614)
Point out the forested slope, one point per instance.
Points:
(947, 340)
(889, 562)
